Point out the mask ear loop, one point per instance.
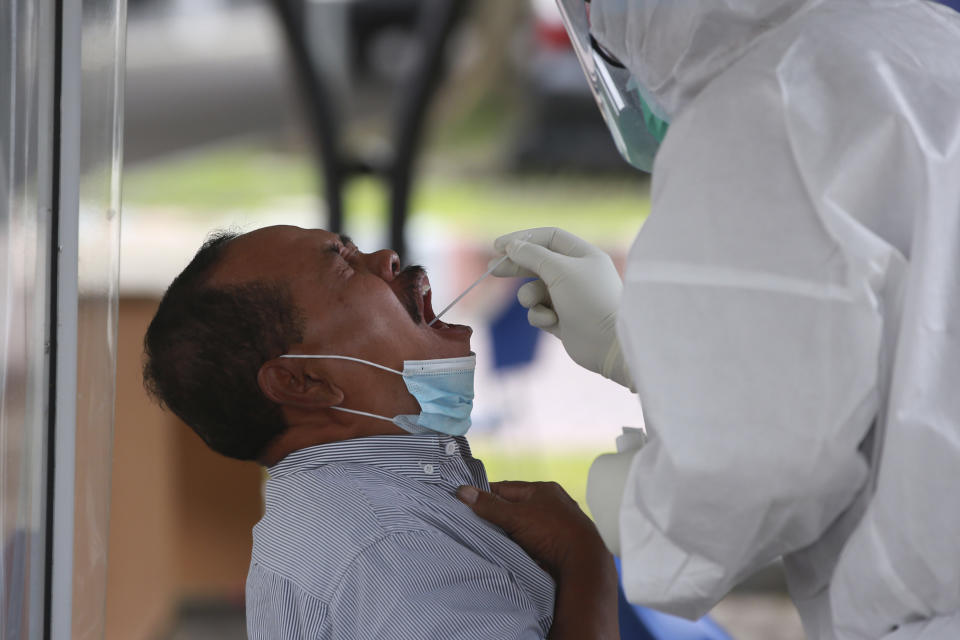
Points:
(362, 413)
(361, 361)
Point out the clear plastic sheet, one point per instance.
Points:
(27, 159)
(101, 125)
(25, 240)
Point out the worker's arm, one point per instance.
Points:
(549, 525)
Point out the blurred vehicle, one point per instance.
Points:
(562, 128)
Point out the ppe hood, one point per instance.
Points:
(674, 48)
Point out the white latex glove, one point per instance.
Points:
(576, 297)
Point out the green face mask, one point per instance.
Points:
(656, 126)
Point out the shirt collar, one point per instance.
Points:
(419, 456)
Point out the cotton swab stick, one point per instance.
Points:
(476, 282)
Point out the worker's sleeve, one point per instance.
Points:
(423, 585)
(751, 321)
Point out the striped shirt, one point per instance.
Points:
(365, 539)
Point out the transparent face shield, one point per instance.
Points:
(636, 130)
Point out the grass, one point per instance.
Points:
(216, 179)
(598, 208)
(245, 178)
(569, 469)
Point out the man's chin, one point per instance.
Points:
(457, 333)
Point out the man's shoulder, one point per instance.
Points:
(317, 521)
(351, 493)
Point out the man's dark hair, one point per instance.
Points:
(205, 346)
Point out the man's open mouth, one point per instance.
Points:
(416, 296)
(425, 303)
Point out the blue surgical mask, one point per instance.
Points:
(442, 386)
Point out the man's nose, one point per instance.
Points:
(385, 263)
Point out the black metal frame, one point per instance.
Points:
(50, 445)
(436, 22)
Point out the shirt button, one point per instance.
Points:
(451, 448)
(428, 469)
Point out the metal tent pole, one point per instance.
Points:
(322, 116)
(438, 18)
(437, 21)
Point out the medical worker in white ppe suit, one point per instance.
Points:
(790, 312)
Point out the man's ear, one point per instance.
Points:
(292, 383)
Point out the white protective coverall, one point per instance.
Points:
(791, 311)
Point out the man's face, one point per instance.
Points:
(354, 304)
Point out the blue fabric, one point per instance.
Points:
(514, 339)
(640, 623)
(365, 538)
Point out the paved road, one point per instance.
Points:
(202, 72)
